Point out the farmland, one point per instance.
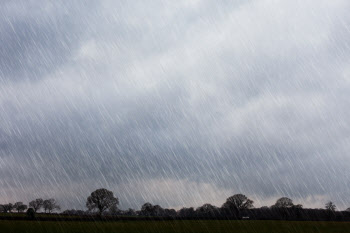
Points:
(177, 226)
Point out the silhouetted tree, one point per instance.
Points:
(19, 206)
(186, 212)
(114, 210)
(147, 209)
(158, 210)
(36, 204)
(283, 202)
(50, 204)
(102, 200)
(130, 212)
(74, 212)
(169, 212)
(30, 213)
(348, 209)
(286, 208)
(330, 206)
(236, 203)
(207, 210)
(297, 210)
(7, 208)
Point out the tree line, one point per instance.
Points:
(238, 206)
(102, 202)
(36, 205)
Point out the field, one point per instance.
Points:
(187, 226)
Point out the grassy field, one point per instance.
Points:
(189, 226)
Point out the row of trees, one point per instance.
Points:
(236, 206)
(103, 202)
(48, 206)
(18, 206)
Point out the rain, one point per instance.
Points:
(176, 103)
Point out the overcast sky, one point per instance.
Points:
(178, 103)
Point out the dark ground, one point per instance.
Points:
(176, 226)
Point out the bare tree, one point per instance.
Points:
(102, 200)
(20, 207)
(36, 204)
(330, 206)
(50, 205)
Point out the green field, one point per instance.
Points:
(175, 226)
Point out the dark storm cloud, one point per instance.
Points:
(178, 104)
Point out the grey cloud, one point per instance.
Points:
(236, 98)
(39, 37)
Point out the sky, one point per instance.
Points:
(177, 103)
